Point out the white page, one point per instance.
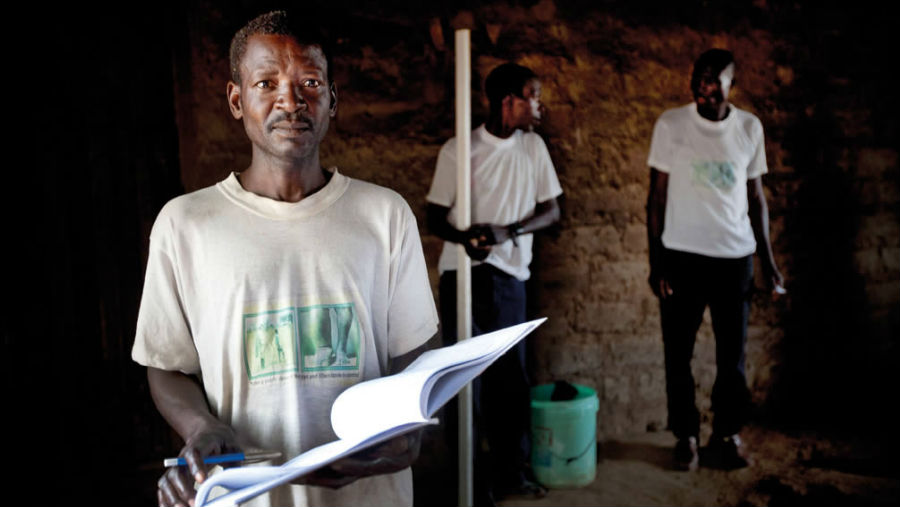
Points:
(444, 386)
(473, 349)
(379, 404)
(249, 482)
(246, 480)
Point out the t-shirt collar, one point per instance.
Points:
(280, 210)
(709, 125)
(499, 142)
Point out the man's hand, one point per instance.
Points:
(385, 458)
(480, 238)
(176, 486)
(477, 241)
(759, 220)
(477, 253)
(774, 282)
(660, 286)
(489, 234)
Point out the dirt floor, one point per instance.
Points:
(790, 468)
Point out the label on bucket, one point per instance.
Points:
(543, 440)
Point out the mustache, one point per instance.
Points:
(288, 117)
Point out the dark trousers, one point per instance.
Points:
(501, 395)
(724, 285)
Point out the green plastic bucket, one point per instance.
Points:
(564, 437)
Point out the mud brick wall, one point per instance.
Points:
(816, 78)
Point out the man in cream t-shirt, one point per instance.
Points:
(271, 292)
(706, 216)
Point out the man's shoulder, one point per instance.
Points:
(365, 194)
(186, 211)
(676, 115)
(189, 204)
(449, 146)
(534, 146)
(748, 121)
(532, 138)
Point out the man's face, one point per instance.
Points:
(712, 88)
(284, 99)
(526, 110)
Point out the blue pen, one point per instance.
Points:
(225, 458)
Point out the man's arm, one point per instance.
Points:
(759, 220)
(436, 215)
(182, 402)
(656, 218)
(546, 213)
(400, 363)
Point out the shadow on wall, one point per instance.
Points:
(838, 353)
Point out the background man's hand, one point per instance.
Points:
(477, 253)
(660, 286)
(489, 234)
(774, 282)
(481, 237)
(385, 458)
(477, 241)
(176, 486)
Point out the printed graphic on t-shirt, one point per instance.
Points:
(318, 338)
(712, 174)
(329, 338)
(270, 343)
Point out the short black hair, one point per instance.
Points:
(276, 23)
(506, 79)
(715, 59)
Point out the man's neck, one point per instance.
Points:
(717, 114)
(284, 180)
(496, 126)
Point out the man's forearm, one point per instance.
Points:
(181, 401)
(759, 221)
(438, 224)
(545, 214)
(656, 209)
(399, 363)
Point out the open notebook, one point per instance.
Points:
(374, 411)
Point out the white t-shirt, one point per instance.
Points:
(280, 306)
(509, 177)
(709, 164)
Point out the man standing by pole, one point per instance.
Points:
(514, 190)
(706, 215)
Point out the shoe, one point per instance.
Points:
(728, 452)
(523, 488)
(686, 456)
(483, 499)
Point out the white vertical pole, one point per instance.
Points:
(463, 264)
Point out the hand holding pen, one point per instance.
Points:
(176, 486)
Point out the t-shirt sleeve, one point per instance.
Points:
(548, 186)
(163, 339)
(757, 166)
(443, 186)
(660, 148)
(412, 316)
